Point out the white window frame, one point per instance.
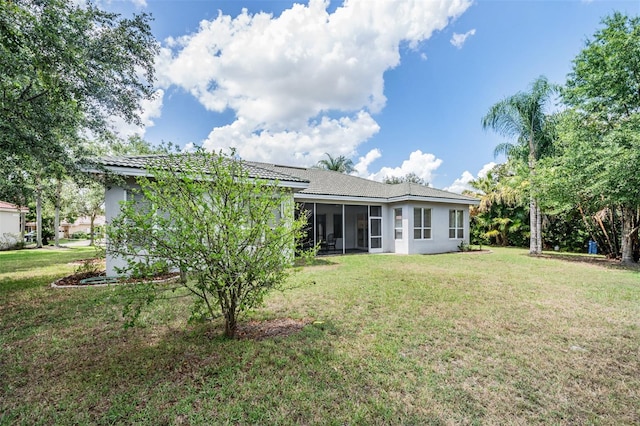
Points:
(397, 223)
(457, 227)
(421, 226)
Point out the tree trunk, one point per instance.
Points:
(533, 225)
(56, 218)
(539, 227)
(628, 232)
(535, 239)
(38, 214)
(91, 241)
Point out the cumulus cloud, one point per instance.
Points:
(422, 164)
(362, 166)
(149, 109)
(302, 83)
(458, 39)
(462, 183)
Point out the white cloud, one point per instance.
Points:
(361, 168)
(422, 164)
(458, 39)
(486, 169)
(462, 183)
(302, 83)
(303, 146)
(149, 109)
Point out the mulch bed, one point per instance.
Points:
(75, 279)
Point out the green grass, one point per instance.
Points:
(500, 338)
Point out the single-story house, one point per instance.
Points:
(347, 213)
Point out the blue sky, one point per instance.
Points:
(398, 87)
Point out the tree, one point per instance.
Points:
(409, 177)
(340, 164)
(603, 91)
(501, 214)
(65, 69)
(232, 236)
(522, 116)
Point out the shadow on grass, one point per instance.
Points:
(98, 368)
(589, 259)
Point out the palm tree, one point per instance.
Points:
(338, 164)
(522, 117)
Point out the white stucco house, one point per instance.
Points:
(347, 213)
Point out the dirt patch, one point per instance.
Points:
(279, 327)
(475, 252)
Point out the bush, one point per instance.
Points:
(9, 241)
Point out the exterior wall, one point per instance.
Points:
(9, 222)
(440, 241)
(113, 197)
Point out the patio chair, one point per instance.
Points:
(331, 242)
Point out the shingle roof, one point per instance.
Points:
(8, 206)
(320, 182)
(330, 183)
(143, 162)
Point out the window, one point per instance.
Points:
(456, 224)
(337, 226)
(397, 223)
(421, 223)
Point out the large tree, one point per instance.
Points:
(603, 91)
(232, 236)
(65, 69)
(523, 118)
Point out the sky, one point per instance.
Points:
(396, 86)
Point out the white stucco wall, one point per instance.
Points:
(9, 222)
(440, 241)
(113, 196)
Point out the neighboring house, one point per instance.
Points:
(12, 219)
(81, 224)
(351, 213)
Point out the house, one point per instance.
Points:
(12, 220)
(347, 213)
(81, 224)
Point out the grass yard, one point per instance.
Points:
(498, 338)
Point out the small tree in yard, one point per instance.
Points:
(231, 235)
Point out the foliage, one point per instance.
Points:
(340, 164)
(597, 168)
(65, 69)
(231, 235)
(522, 117)
(409, 177)
(500, 218)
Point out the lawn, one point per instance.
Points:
(500, 338)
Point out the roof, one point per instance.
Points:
(138, 165)
(314, 183)
(4, 206)
(334, 184)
